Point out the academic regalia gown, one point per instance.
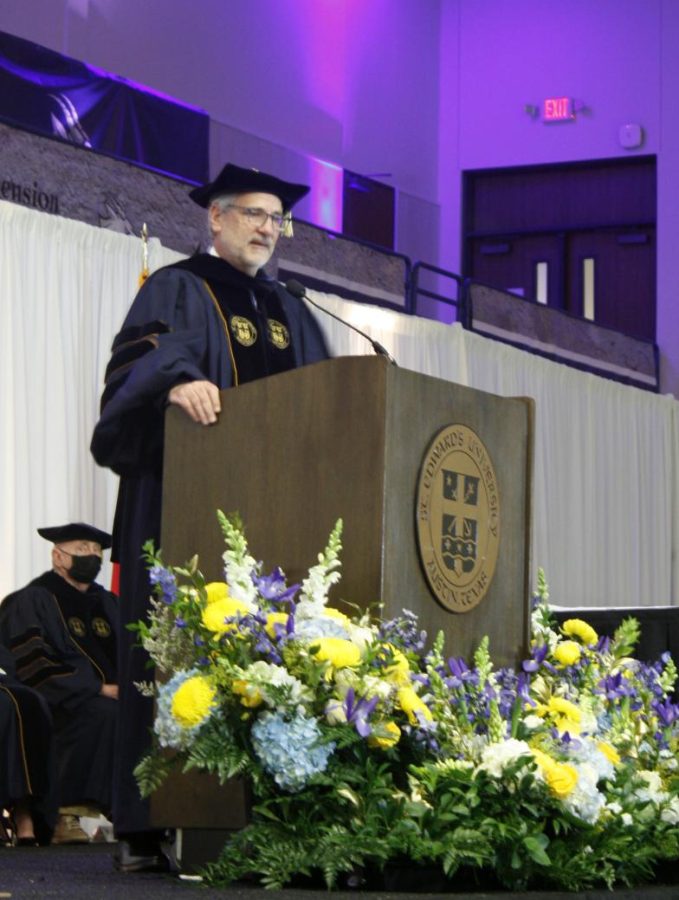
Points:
(64, 645)
(27, 772)
(198, 319)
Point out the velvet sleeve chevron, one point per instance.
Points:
(165, 339)
(32, 629)
(133, 437)
(129, 346)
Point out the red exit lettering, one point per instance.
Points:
(557, 109)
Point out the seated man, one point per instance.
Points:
(62, 632)
(27, 787)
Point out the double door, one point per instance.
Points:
(581, 239)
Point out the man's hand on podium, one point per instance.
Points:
(199, 400)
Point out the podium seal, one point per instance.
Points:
(458, 518)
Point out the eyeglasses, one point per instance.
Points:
(257, 217)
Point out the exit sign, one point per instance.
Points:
(557, 109)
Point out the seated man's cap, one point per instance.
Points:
(235, 180)
(76, 531)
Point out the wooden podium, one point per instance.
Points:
(354, 438)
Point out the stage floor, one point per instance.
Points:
(85, 872)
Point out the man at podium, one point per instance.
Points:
(207, 323)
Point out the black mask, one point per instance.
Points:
(84, 569)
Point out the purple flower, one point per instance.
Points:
(403, 632)
(461, 673)
(603, 645)
(523, 688)
(255, 625)
(667, 712)
(358, 712)
(615, 687)
(537, 659)
(165, 579)
(179, 622)
(273, 587)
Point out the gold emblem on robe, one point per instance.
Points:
(278, 334)
(243, 330)
(76, 626)
(101, 627)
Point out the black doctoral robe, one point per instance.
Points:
(198, 319)
(64, 645)
(27, 772)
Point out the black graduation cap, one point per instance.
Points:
(235, 180)
(76, 531)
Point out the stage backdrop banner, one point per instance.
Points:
(51, 94)
(606, 485)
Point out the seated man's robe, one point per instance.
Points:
(26, 750)
(64, 645)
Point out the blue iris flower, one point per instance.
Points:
(358, 711)
(273, 587)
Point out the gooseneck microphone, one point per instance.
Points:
(297, 289)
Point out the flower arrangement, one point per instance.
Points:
(368, 747)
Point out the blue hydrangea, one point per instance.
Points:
(170, 732)
(318, 627)
(290, 749)
(586, 752)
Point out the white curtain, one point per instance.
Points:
(64, 290)
(606, 500)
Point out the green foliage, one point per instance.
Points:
(216, 752)
(626, 637)
(151, 772)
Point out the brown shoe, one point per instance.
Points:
(68, 831)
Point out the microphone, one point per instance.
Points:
(297, 289)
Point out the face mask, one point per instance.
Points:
(84, 569)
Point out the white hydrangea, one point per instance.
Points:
(653, 789)
(363, 685)
(532, 722)
(670, 761)
(361, 635)
(496, 757)
(670, 812)
(265, 676)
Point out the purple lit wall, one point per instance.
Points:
(352, 83)
(419, 89)
(325, 198)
